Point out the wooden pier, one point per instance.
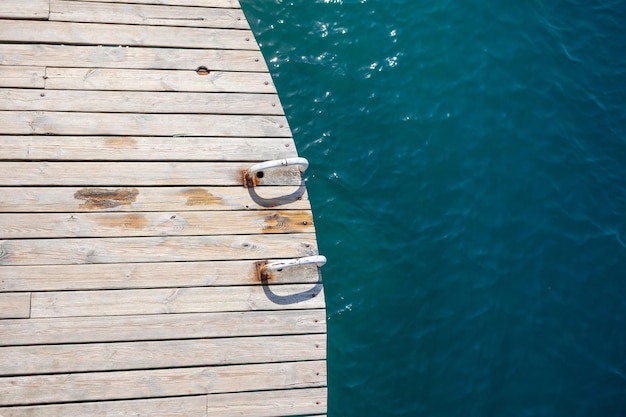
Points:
(129, 246)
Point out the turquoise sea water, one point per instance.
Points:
(468, 179)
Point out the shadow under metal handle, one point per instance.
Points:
(318, 260)
(256, 170)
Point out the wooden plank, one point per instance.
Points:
(145, 275)
(22, 77)
(31, 360)
(131, 57)
(155, 249)
(15, 306)
(175, 300)
(157, 407)
(162, 382)
(136, 14)
(18, 9)
(157, 80)
(33, 225)
(133, 173)
(94, 199)
(60, 123)
(142, 148)
(125, 35)
(160, 327)
(268, 403)
(228, 4)
(138, 102)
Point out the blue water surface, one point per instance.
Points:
(468, 180)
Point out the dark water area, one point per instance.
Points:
(468, 181)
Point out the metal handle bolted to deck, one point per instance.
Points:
(257, 170)
(264, 268)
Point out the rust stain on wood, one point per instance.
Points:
(288, 222)
(128, 221)
(124, 142)
(102, 198)
(200, 197)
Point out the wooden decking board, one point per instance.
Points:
(19, 9)
(139, 14)
(129, 246)
(51, 199)
(160, 407)
(145, 80)
(268, 404)
(22, 77)
(138, 101)
(175, 300)
(108, 174)
(20, 332)
(22, 390)
(28, 360)
(78, 56)
(48, 32)
(141, 124)
(227, 4)
(162, 249)
(142, 148)
(144, 275)
(193, 223)
(15, 306)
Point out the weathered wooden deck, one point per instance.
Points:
(128, 245)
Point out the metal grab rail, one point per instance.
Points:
(257, 170)
(265, 268)
(318, 260)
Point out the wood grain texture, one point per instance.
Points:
(145, 275)
(159, 407)
(28, 360)
(138, 14)
(160, 327)
(156, 80)
(65, 123)
(47, 32)
(155, 249)
(15, 306)
(193, 223)
(22, 390)
(128, 199)
(175, 300)
(268, 404)
(19, 9)
(130, 57)
(22, 77)
(95, 174)
(138, 102)
(142, 148)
